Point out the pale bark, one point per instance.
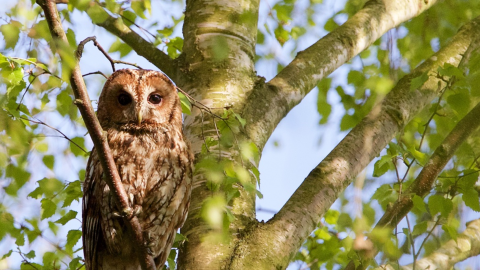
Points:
(269, 103)
(466, 245)
(219, 55)
(272, 245)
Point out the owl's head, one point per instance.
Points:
(135, 99)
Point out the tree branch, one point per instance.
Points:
(303, 211)
(141, 46)
(466, 245)
(434, 166)
(298, 78)
(99, 139)
(425, 180)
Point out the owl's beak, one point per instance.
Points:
(139, 117)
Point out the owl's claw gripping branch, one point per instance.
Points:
(96, 133)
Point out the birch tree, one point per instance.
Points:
(409, 98)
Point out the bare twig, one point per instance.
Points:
(96, 72)
(99, 139)
(40, 122)
(100, 48)
(139, 27)
(28, 87)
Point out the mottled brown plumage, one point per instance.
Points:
(141, 113)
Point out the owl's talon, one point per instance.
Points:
(137, 209)
(116, 214)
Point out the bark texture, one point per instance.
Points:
(280, 238)
(217, 68)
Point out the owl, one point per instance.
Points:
(141, 114)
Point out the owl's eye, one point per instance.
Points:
(155, 98)
(124, 99)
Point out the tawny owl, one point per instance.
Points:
(141, 114)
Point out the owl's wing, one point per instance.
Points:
(91, 212)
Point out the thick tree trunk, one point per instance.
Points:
(217, 68)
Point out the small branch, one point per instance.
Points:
(425, 180)
(300, 76)
(100, 48)
(100, 141)
(428, 236)
(141, 46)
(466, 245)
(28, 87)
(96, 72)
(40, 122)
(304, 209)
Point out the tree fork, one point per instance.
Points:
(272, 245)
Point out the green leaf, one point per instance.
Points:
(71, 38)
(11, 33)
(417, 82)
(180, 238)
(122, 48)
(7, 254)
(240, 119)
(283, 11)
(47, 187)
(186, 105)
(73, 192)
(331, 217)
(281, 35)
(348, 122)
(171, 259)
(213, 210)
(460, 103)
(48, 208)
(139, 7)
(451, 231)
(471, 199)
(323, 107)
(64, 102)
(30, 254)
(439, 204)
(420, 228)
(75, 264)
(97, 14)
(450, 70)
(40, 31)
(330, 25)
(175, 47)
(468, 181)
(355, 77)
(384, 195)
(129, 17)
(249, 151)
(77, 145)
(419, 203)
(382, 166)
(67, 217)
(422, 158)
(72, 238)
(48, 161)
